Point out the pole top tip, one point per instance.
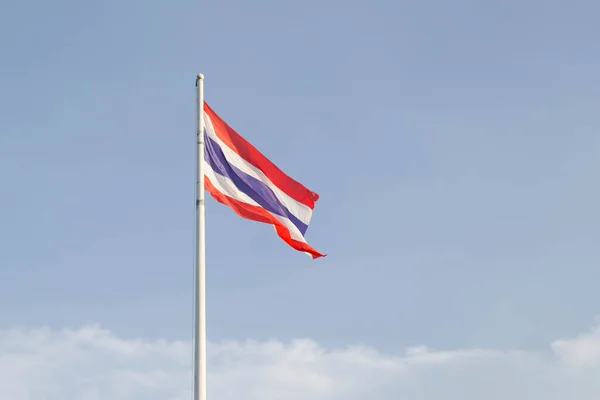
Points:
(200, 76)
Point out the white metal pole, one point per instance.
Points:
(200, 287)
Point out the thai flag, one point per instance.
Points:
(240, 177)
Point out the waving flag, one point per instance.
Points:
(239, 176)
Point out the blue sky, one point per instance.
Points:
(454, 146)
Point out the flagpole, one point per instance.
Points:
(200, 273)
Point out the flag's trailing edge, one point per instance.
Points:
(243, 179)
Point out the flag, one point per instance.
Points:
(240, 177)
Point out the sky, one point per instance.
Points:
(454, 149)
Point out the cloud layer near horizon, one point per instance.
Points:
(92, 363)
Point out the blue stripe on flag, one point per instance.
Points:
(252, 187)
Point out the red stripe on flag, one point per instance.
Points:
(259, 214)
(241, 146)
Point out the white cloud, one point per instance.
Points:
(93, 364)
